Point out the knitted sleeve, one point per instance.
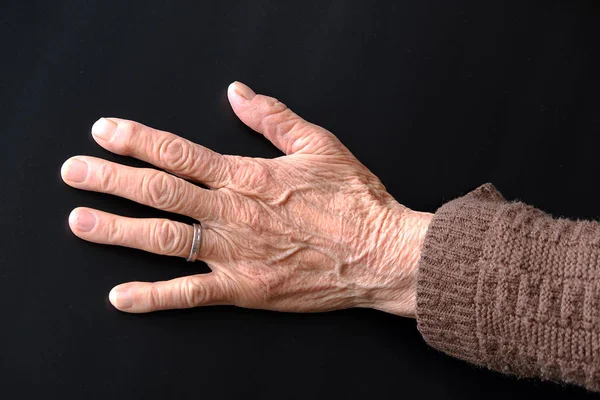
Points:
(505, 286)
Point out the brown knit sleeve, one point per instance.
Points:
(504, 285)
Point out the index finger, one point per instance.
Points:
(162, 149)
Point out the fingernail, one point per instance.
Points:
(104, 129)
(75, 170)
(242, 90)
(82, 220)
(120, 298)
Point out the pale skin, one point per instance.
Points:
(313, 230)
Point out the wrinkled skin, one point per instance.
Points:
(310, 231)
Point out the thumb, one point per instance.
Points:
(284, 128)
(186, 292)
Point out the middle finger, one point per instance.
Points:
(143, 185)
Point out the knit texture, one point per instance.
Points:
(506, 286)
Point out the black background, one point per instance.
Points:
(436, 97)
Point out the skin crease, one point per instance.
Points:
(310, 231)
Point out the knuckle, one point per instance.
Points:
(126, 131)
(221, 203)
(217, 170)
(325, 142)
(253, 175)
(235, 291)
(255, 291)
(176, 154)
(272, 103)
(193, 293)
(167, 238)
(276, 113)
(160, 189)
(107, 177)
(225, 171)
(114, 231)
(155, 299)
(291, 123)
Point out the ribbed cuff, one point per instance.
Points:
(448, 273)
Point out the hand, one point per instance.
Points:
(311, 231)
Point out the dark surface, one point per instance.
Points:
(435, 97)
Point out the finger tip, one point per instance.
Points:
(231, 87)
(100, 122)
(121, 298)
(236, 85)
(103, 129)
(82, 221)
(112, 297)
(73, 216)
(239, 92)
(64, 168)
(231, 94)
(74, 221)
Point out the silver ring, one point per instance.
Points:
(196, 241)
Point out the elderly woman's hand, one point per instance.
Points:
(313, 230)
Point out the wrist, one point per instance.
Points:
(397, 290)
(417, 226)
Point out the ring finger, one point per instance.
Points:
(155, 235)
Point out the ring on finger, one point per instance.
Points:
(196, 242)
